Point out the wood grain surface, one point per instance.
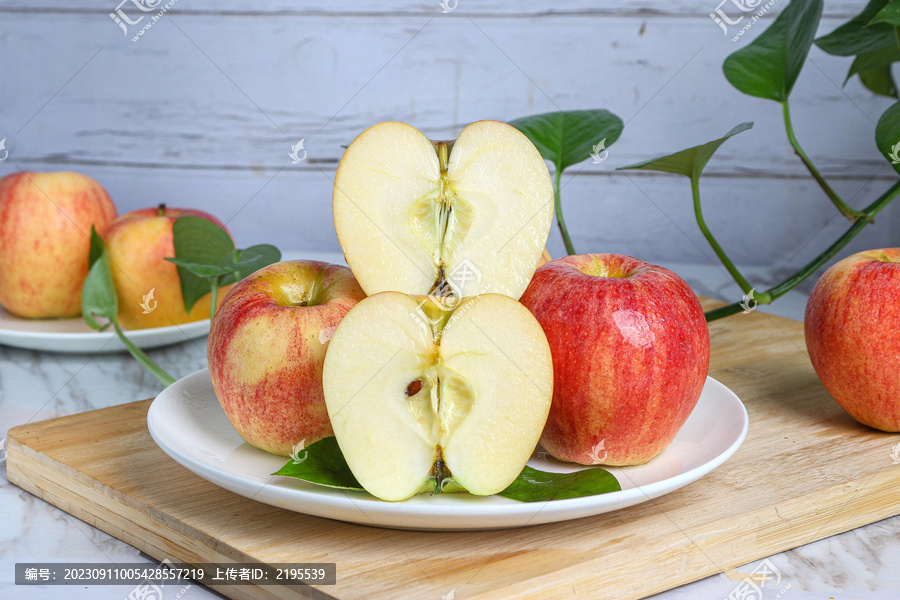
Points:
(806, 471)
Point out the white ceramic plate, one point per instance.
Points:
(74, 335)
(187, 422)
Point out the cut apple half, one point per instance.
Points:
(420, 394)
(415, 216)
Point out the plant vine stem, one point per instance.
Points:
(851, 214)
(142, 358)
(720, 252)
(557, 204)
(791, 282)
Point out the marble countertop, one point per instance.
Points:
(33, 386)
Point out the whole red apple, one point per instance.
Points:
(630, 351)
(138, 244)
(267, 347)
(852, 329)
(45, 239)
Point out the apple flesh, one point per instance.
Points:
(45, 240)
(412, 214)
(630, 356)
(138, 244)
(418, 391)
(267, 346)
(852, 329)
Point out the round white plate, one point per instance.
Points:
(74, 335)
(187, 422)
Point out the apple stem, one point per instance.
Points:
(161, 209)
(557, 205)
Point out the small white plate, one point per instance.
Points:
(187, 422)
(74, 335)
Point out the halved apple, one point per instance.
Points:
(419, 392)
(414, 215)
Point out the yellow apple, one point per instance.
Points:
(147, 285)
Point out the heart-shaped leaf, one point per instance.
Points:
(98, 295)
(689, 162)
(569, 137)
(538, 486)
(769, 66)
(858, 36)
(199, 242)
(323, 463)
(887, 135)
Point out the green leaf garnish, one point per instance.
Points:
(265, 255)
(198, 241)
(323, 463)
(99, 299)
(98, 296)
(207, 259)
(769, 66)
(538, 486)
(689, 162)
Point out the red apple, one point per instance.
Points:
(630, 352)
(45, 238)
(267, 346)
(852, 329)
(138, 244)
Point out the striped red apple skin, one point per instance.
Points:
(267, 345)
(852, 329)
(630, 350)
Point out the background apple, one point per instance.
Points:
(45, 238)
(630, 352)
(852, 328)
(267, 346)
(138, 244)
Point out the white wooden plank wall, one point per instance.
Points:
(203, 109)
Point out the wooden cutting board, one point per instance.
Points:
(806, 471)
